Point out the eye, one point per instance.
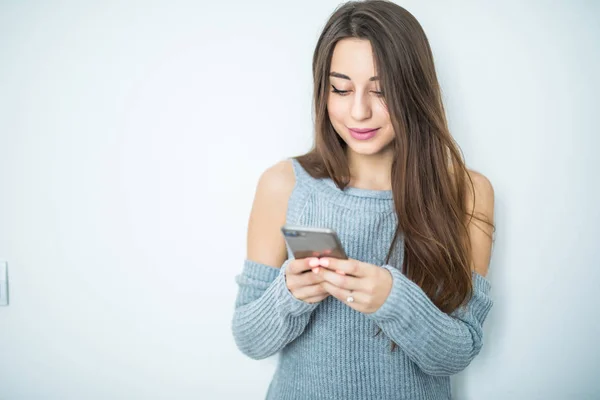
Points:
(378, 94)
(340, 92)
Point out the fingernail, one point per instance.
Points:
(340, 272)
(315, 270)
(324, 262)
(313, 262)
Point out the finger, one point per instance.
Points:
(303, 279)
(348, 267)
(342, 294)
(307, 292)
(342, 281)
(310, 278)
(301, 265)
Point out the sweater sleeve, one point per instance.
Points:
(267, 316)
(440, 344)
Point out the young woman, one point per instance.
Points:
(406, 310)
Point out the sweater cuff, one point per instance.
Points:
(287, 304)
(395, 306)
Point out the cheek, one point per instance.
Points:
(383, 116)
(336, 111)
(382, 110)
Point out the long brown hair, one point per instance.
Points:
(429, 176)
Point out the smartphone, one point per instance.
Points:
(307, 242)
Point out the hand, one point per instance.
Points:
(303, 284)
(369, 285)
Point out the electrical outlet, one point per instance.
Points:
(3, 283)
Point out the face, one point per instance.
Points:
(355, 104)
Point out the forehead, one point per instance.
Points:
(354, 57)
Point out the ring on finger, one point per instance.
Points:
(350, 298)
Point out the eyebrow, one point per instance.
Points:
(342, 76)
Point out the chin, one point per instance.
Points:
(367, 149)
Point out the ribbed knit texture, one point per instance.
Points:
(330, 351)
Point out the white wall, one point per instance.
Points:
(131, 139)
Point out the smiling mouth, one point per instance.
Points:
(363, 134)
(363, 130)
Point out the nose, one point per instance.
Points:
(361, 109)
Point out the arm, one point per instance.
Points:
(267, 316)
(439, 343)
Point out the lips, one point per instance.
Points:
(363, 130)
(363, 133)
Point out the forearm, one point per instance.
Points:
(267, 316)
(440, 344)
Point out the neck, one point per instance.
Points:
(370, 171)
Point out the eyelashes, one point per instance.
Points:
(345, 92)
(340, 92)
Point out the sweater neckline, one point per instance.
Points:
(351, 197)
(358, 192)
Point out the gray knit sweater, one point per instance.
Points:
(328, 350)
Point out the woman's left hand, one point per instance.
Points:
(362, 286)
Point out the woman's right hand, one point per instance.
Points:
(302, 282)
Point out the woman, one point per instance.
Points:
(406, 310)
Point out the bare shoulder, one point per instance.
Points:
(480, 202)
(278, 178)
(483, 198)
(265, 243)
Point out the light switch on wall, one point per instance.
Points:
(3, 283)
